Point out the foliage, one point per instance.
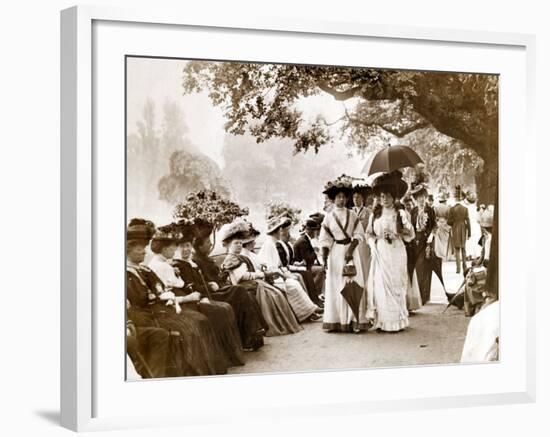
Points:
(190, 172)
(208, 206)
(276, 208)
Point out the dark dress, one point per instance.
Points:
(196, 350)
(422, 264)
(249, 319)
(287, 260)
(149, 351)
(303, 250)
(273, 303)
(220, 315)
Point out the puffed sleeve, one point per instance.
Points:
(326, 238)
(241, 273)
(407, 225)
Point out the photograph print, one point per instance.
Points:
(291, 218)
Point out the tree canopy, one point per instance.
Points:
(260, 100)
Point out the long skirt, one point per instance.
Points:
(338, 315)
(423, 268)
(222, 318)
(194, 348)
(275, 308)
(389, 281)
(298, 298)
(149, 351)
(250, 321)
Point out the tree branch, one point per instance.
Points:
(339, 95)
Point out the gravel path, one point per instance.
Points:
(434, 337)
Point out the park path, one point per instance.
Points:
(434, 337)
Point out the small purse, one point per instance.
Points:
(349, 269)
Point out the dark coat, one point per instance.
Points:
(460, 225)
(303, 250)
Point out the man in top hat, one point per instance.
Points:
(459, 221)
(304, 251)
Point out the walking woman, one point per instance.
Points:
(341, 233)
(424, 221)
(273, 303)
(388, 229)
(195, 350)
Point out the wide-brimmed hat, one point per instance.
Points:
(140, 230)
(186, 231)
(419, 190)
(342, 184)
(235, 230)
(361, 187)
(391, 182)
(168, 232)
(486, 218)
(275, 223)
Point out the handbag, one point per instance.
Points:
(349, 269)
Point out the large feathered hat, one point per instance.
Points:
(168, 232)
(392, 183)
(238, 229)
(342, 184)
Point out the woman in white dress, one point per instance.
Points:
(387, 230)
(473, 249)
(341, 233)
(299, 300)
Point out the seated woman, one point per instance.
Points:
(273, 303)
(298, 298)
(299, 269)
(196, 351)
(221, 316)
(250, 321)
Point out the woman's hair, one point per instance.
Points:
(157, 246)
(377, 213)
(332, 195)
(130, 244)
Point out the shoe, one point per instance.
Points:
(315, 317)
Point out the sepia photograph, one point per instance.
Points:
(295, 218)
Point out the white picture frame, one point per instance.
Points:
(80, 228)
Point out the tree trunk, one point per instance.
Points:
(487, 182)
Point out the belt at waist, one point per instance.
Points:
(344, 241)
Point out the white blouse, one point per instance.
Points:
(159, 264)
(354, 231)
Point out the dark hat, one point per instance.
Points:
(251, 234)
(390, 182)
(342, 184)
(419, 190)
(140, 229)
(312, 225)
(459, 194)
(317, 217)
(360, 186)
(186, 231)
(168, 232)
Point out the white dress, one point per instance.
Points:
(388, 277)
(298, 298)
(481, 342)
(338, 315)
(473, 248)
